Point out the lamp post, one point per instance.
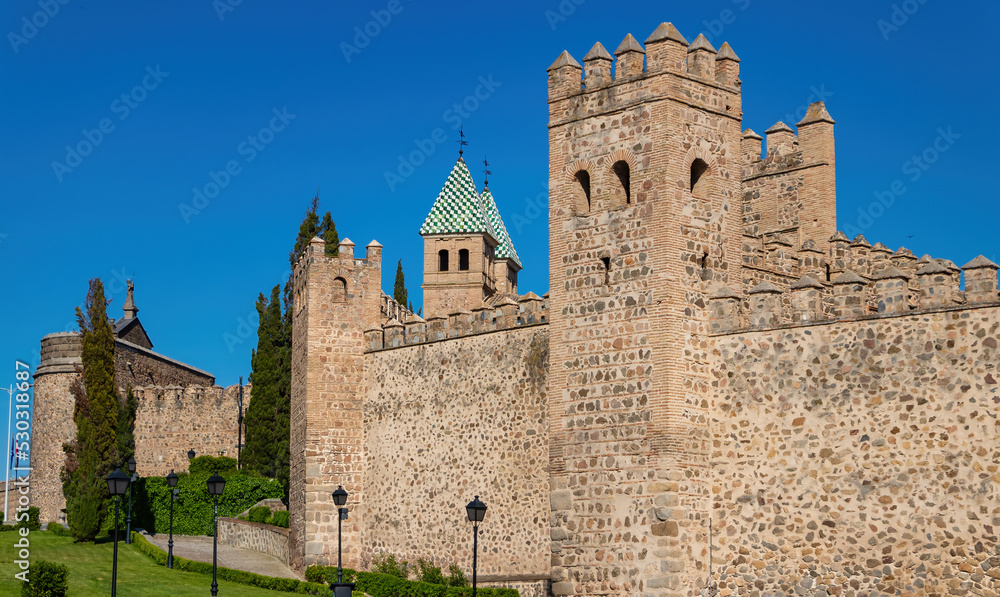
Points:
(172, 484)
(128, 520)
(191, 454)
(216, 485)
(341, 588)
(476, 510)
(239, 426)
(117, 485)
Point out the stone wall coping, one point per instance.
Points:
(462, 337)
(258, 525)
(863, 318)
(161, 357)
(58, 368)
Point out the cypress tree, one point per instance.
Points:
(329, 233)
(95, 450)
(267, 417)
(399, 290)
(308, 229)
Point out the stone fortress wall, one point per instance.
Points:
(445, 421)
(179, 408)
(855, 422)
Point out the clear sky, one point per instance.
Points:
(121, 121)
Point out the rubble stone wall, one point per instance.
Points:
(858, 457)
(449, 420)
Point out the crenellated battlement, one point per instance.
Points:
(702, 76)
(853, 279)
(527, 310)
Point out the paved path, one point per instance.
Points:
(199, 548)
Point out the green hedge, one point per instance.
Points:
(384, 585)
(193, 510)
(59, 530)
(47, 579)
(288, 585)
(209, 465)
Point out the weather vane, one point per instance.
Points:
(486, 172)
(461, 142)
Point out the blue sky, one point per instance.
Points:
(208, 127)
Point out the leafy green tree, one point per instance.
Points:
(399, 290)
(94, 452)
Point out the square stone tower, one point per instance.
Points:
(334, 300)
(644, 178)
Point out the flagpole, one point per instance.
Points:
(6, 478)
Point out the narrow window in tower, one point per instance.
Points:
(705, 274)
(698, 179)
(443, 260)
(607, 269)
(827, 272)
(463, 259)
(339, 290)
(621, 170)
(582, 191)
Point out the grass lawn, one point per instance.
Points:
(90, 570)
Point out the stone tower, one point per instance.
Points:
(460, 247)
(644, 179)
(335, 300)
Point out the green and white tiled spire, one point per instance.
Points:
(459, 208)
(505, 247)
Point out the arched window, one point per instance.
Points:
(699, 182)
(443, 260)
(621, 170)
(339, 290)
(463, 259)
(582, 191)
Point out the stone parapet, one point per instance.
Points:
(528, 310)
(895, 284)
(263, 538)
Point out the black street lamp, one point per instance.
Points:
(117, 485)
(239, 426)
(341, 588)
(191, 454)
(131, 479)
(172, 484)
(476, 510)
(216, 485)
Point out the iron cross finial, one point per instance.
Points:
(461, 142)
(486, 172)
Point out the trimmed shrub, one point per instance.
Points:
(259, 514)
(57, 529)
(456, 578)
(46, 579)
(385, 563)
(383, 585)
(32, 523)
(279, 519)
(193, 511)
(210, 465)
(328, 574)
(430, 573)
(288, 585)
